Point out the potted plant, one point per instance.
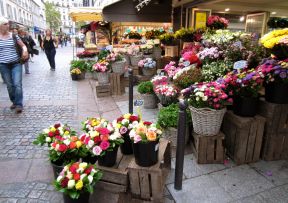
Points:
(216, 22)
(275, 73)
(148, 66)
(135, 54)
(147, 93)
(76, 181)
(168, 40)
(101, 69)
(207, 105)
(187, 76)
(214, 70)
(209, 55)
(186, 35)
(75, 72)
(133, 35)
(171, 69)
(167, 94)
(145, 137)
(168, 120)
(124, 124)
(244, 85)
(103, 142)
(81, 65)
(117, 62)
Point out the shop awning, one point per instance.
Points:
(85, 14)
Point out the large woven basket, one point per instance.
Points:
(102, 77)
(135, 59)
(148, 71)
(206, 121)
(119, 66)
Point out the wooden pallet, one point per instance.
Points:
(147, 183)
(103, 90)
(208, 149)
(243, 137)
(115, 179)
(117, 83)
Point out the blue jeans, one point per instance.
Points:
(12, 75)
(51, 57)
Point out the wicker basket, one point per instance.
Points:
(150, 101)
(94, 75)
(207, 121)
(148, 71)
(119, 66)
(102, 77)
(127, 57)
(135, 59)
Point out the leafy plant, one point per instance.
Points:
(103, 54)
(168, 116)
(185, 34)
(167, 39)
(145, 88)
(81, 64)
(215, 70)
(187, 76)
(133, 35)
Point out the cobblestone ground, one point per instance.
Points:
(49, 97)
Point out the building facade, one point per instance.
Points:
(102, 3)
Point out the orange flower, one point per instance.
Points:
(104, 137)
(141, 129)
(74, 138)
(72, 145)
(151, 135)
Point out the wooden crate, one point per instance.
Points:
(243, 137)
(171, 51)
(147, 183)
(117, 83)
(103, 90)
(208, 149)
(143, 78)
(136, 70)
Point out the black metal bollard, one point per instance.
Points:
(180, 145)
(130, 74)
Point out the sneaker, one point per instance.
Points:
(19, 109)
(13, 107)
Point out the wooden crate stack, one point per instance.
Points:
(244, 136)
(275, 141)
(208, 149)
(103, 90)
(147, 183)
(117, 84)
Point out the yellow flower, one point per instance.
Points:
(78, 144)
(79, 185)
(83, 165)
(66, 132)
(118, 125)
(53, 129)
(127, 115)
(93, 134)
(94, 122)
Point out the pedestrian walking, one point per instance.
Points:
(49, 45)
(22, 32)
(40, 40)
(10, 67)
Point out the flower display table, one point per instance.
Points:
(103, 90)
(243, 137)
(116, 83)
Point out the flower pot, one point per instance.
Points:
(90, 159)
(118, 66)
(126, 147)
(280, 51)
(165, 100)
(150, 101)
(172, 133)
(94, 75)
(57, 168)
(109, 159)
(74, 77)
(146, 154)
(276, 92)
(81, 76)
(206, 121)
(83, 198)
(102, 77)
(135, 59)
(148, 71)
(157, 52)
(245, 106)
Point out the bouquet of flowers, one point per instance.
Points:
(187, 35)
(274, 37)
(273, 70)
(125, 123)
(77, 178)
(159, 80)
(187, 76)
(75, 71)
(216, 22)
(147, 63)
(214, 70)
(101, 66)
(192, 58)
(211, 95)
(146, 48)
(91, 124)
(167, 39)
(145, 132)
(85, 54)
(208, 55)
(171, 69)
(221, 37)
(166, 90)
(113, 57)
(56, 131)
(195, 48)
(153, 42)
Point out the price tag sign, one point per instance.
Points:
(238, 65)
(138, 102)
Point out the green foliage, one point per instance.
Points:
(214, 70)
(188, 77)
(153, 34)
(167, 39)
(81, 64)
(133, 35)
(103, 54)
(146, 88)
(168, 116)
(53, 17)
(40, 140)
(184, 34)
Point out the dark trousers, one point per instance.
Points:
(51, 57)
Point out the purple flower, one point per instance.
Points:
(123, 130)
(283, 75)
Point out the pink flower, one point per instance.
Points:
(104, 145)
(97, 150)
(137, 138)
(123, 130)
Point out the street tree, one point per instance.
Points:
(53, 17)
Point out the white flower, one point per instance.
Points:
(69, 175)
(110, 127)
(90, 143)
(65, 168)
(83, 176)
(197, 98)
(71, 184)
(135, 123)
(124, 121)
(90, 178)
(46, 131)
(205, 98)
(66, 142)
(132, 133)
(48, 139)
(115, 136)
(80, 170)
(59, 178)
(199, 94)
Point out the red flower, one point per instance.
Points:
(97, 139)
(119, 119)
(133, 118)
(82, 138)
(57, 125)
(50, 134)
(76, 176)
(57, 132)
(104, 145)
(103, 131)
(64, 182)
(88, 170)
(73, 168)
(72, 145)
(147, 123)
(62, 147)
(58, 137)
(87, 140)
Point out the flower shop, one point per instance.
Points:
(234, 83)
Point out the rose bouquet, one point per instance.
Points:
(77, 179)
(56, 131)
(145, 132)
(159, 80)
(91, 124)
(192, 58)
(101, 66)
(187, 76)
(216, 22)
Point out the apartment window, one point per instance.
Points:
(15, 14)
(9, 11)
(1, 8)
